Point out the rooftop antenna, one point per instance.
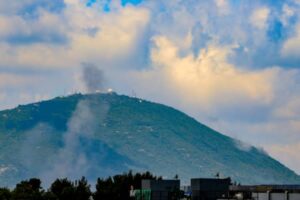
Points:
(133, 93)
(217, 175)
(64, 92)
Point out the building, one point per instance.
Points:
(216, 189)
(187, 191)
(266, 192)
(210, 188)
(162, 189)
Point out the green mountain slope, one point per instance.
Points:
(103, 134)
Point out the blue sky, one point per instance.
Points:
(233, 65)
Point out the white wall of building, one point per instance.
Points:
(294, 196)
(262, 196)
(276, 196)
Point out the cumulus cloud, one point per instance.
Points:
(18, 30)
(193, 85)
(106, 43)
(292, 45)
(259, 17)
(223, 6)
(287, 13)
(209, 79)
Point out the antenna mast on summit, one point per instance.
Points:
(133, 93)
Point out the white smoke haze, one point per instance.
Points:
(243, 146)
(36, 139)
(76, 156)
(74, 160)
(69, 159)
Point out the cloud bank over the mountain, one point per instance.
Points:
(233, 65)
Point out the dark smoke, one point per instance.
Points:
(93, 78)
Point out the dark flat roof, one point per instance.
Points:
(160, 185)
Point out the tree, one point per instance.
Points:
(63, 189)
(5, 194)
(111, 188)
(118, 186)
(104, 189)
(176, 177)
(28, 190)
(49, 196)
(82, 189)
(176, 194)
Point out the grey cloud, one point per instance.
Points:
(28, 7)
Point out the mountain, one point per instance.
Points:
(97, 135)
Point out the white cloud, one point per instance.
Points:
(209, 79)
(112, 41)
(259, 17)
(297, 1)
(287, 13)
(223, 6)
(117, 35)
(19, 27)
(291, 46)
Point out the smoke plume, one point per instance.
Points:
(80, 152)
(75, 159)
(93, 78)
